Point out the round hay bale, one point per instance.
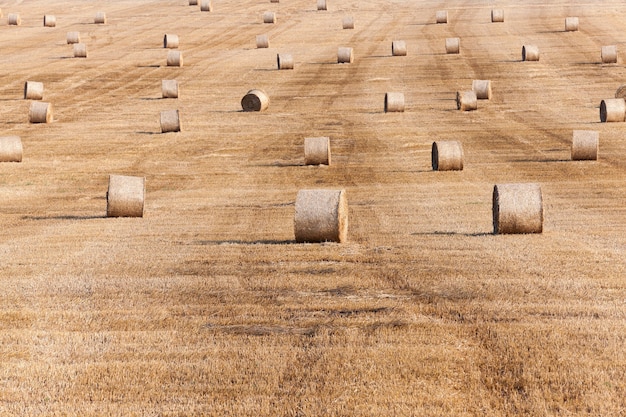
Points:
(255, 100)
(497, 15)
(73, 37)
(345, 55)
(14, 19)
(621, 91)
(447, 155)
(193, 2)
(530, 53)
(394, 102)
(80, 50)
(170, 41)
(170, 121)
(453, 45)
(517, 208)
(40, 112)
(585, 145)
(321, 216)
(169, 88)
(613, 110)
(206, 6)
(33, 90)
(482, 88)
(609, 54)
(317, 151)
(466, 100)
(174, 58)
(262, 41)
(321, 5)
(269, 17)
(274, 1)
(571, 24)
(348, 22)
(100, 19)
(284, 61)
(10, 149)
(49, 21)
(126, 196)
(398, 48)
(441, 16)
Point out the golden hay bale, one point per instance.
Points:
(609, 54)
(100, 19)
(585, 145)
(193, 2)
(33, 90)
(40, 112)
(262, 41)
(348, 22)
(73, 37)
(530, 53)
(255, 100)
(345, 55)
(447, 155)
(497, 15)
(169, 88)
(321, 5)
(621, 91)
(394, 102)
(10, 149)
(482, 88)
(321, 216)
(317, 151)
(206, 6)
(269, 17)
(613, 110)
(571, 24)
(284, 61)
(126, 196)
(453, 45)
(466, 100)
(441, 16)
(14, 19)
(174, 58)
(49, 21)
(80, 50)
(274, 1)
(170, 41)
(170, 121)
(398, 48)
(517, 208)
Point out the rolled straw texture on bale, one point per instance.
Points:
(14, 19)
(441, 16)
(466, 100)
(269, 17)
(170, 41)
(170, 121)
(193, 2)
(33, 90)
(206, 6)
(80, 50)
(321, 216)
(40, 112)
(517, 208)
(255, 100)
(49, 21)
(169, 88)
(72, 37)
(174, 58)
(497, 15)
(453, 45)
(621, 91)
(10, 149)
(317, 151)
(394, 102)
(101, 18)
(612, 110)
(262, 41)
(348, 22)
(609, 54)
(345, 55)
(126, 196)
(447, 156)
(321, 5)
(571, 24)
(585, 145)
(284, 61)
(482, 88)
(530, 53)
(398, 48)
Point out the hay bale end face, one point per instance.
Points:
(269, 17)
(517, 208)
(613, 110)
(482, 88)
(174, 58)
(100, 19)
(447, 156)
(72, 37)
(530, 53)
(321, 216)
(80, 50)
(394, 102)
(609, 54)
(170, 41)
(10, 149)
(284, 61)
(585, 145)
(33, 90)
(466, 100)
(126, 196)
(255, 100)
(49, 21)
(398, 48)
(170, 121)
(441, 16)
(169, 88)
(317, 151)
(348, 22)
(40, 112)
(206, 6)
(453, 45)
(497, 15)
(345, 55)
(321, 5)
(571, 24)
(14, 19)
(262, 41)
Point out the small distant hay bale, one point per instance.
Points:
(284, 61)
(482, 88)
(269, 17)
(398, 48)
(80, 50)
(609, 54)
(170, 121)
(193, 2)
(571, 24)
(126, 196)
(453, 45)
(11, 149)
(394, 102)
(170, 41)
(49, 21)
(517, 208)
(345, 55)
(100, 19)
(497, 15)
(206, 6)
(348, 22)
(621, 91)
(14, 19)
(447, 155)
(321, 5)
(612, 110)
(33, 90)
(530, 53)
(317, 151)
(174, 58)
(585, 145)
(255, 100)
(321, 216)
(262, 41)
(441, 16)
(169, 88)
(40, 112)
(72, 37)
(466, 100)
(274, 1)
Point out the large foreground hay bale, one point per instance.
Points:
(321, 5)
(530, 53)
(255, 100)
(100, 19)
(466, 100)
(482, 88)
(284, 61)
(609, 54)
(40, 112)
(317, 151)
(72, 37)
(441, 16)
(10, 149)
(206, 6)
(517, 208)
(49, 21)
(453, 45)
(398, 48)
(269, 17)
(348, 22)
(613, 110)
(33, 90)
(585, 145)
(14, 19)
(262, 41)
(80, 50)
(170, 41)
(447, 155)
(345, 55)
(321, 216)
(174, 58)
(170, 121)
(497, 15)
(169, 88)
(394, 102)
(126, 196)
(571, 24)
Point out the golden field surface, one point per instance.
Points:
(207, 306)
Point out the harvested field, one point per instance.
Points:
(207, 306)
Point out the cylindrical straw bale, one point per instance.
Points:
(80, 50)
(317, 151)
(262, 41)
(33, 90)
(321, 216)
(497, 15)
(10, 149)
(321, 5)
(585, 145)
(274, 1)
(609, 54)
(398, 48)
(453, 45)
(169, 88)
(206, 6)
(170, 41)
(126, 196)
(49, 21)
(348, 22)
(40, 112)
(269, 17)
(285, 61)
(447, 155)
(530, 53)
(621, 91)
(255, 100)
(170, 121)
(517, 208)
(174, 58)
(394, 102)
(571, 24)
(101, 18)
(613, 110)
(441, 16)
(193, 2)
(14, 19)
(482, 88)
(466, 100)
(345, 55)
(73, 37)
